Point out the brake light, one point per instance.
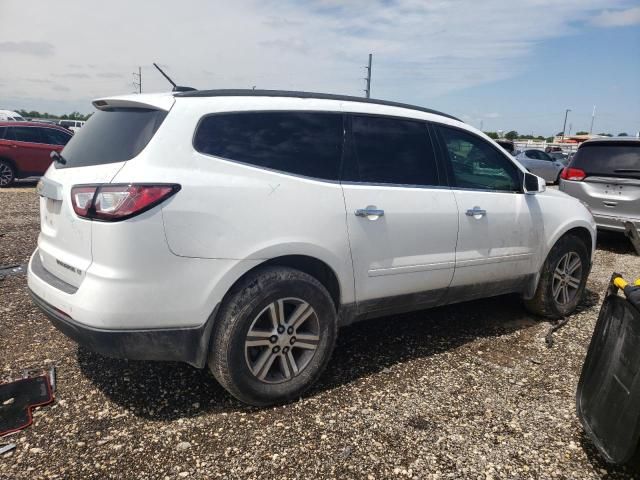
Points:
(573, 174)
(112, 203)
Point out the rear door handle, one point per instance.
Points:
(369, 212)
(476, 212)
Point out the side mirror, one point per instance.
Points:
(533, 184)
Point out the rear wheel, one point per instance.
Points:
(7, 174)
(273, 337)
(562, 280)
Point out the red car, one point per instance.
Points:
(25, 148)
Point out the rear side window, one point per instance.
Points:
(55, 137)
(25, 134)
(302, 143)
(392, 151)
(111, 136)
(3, 131)
(620, 159)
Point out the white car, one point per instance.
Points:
(240, 229)
(73, 125)
(542, 164)
(10, 116)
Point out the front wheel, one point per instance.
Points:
(562, 280)
(273, 336)
(7, 174)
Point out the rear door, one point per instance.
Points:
(109, 139)
(402, 223)
(612, 181)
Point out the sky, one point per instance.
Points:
(496, 64)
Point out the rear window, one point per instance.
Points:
(111, 136)
(609, 160)
(302, 143)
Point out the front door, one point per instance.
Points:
(500, 226)
(402, 223)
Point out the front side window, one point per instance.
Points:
(392, 151)
(476, 164)
(25, 134)
(301, 143)
(55, 137)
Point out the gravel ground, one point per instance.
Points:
(467, 391)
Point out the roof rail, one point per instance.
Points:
(320, 96)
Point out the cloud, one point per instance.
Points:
(71, 75)
(109, 75)
(617, 18)
(60, 88)
(38, 49)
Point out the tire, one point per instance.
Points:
(561, 257)
(256, 372)
(7, 174)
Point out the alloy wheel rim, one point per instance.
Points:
(282, 340)
(567, 278)
(5, 175)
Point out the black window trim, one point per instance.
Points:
(269, 169)
(449, 169)
(349, 154)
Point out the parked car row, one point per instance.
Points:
(25, 148)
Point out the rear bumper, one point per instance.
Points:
(189, 345)
(614, 222)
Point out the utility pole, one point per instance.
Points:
(138, 76)
(565, 122)
(368, 79)
(481, 123)
(593, 117)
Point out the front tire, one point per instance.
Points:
(7, 174)
(273, 336)
(563, 279)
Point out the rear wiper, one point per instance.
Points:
(56, 157)
(627, 170)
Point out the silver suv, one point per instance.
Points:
(605, 175)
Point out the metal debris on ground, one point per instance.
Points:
(554, 327)
(632, 234)
(7, 270)
(7, 448)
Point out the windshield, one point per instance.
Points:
(111, 136)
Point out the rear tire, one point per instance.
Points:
(7, 174)
(273, 336)
(562, 280)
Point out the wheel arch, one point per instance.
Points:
(583, 232)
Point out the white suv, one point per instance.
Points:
(239, 229)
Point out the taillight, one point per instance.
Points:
(573, 174)
(112, 203)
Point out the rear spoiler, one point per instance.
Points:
(153, 101)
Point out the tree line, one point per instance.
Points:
(514, 135)
(67, 116)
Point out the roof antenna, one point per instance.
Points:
(176, 88)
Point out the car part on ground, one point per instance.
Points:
(608, 396)
(18, 398)
(605, 175)
(368, 208)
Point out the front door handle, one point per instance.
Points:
(476, 212)
(369, 212)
